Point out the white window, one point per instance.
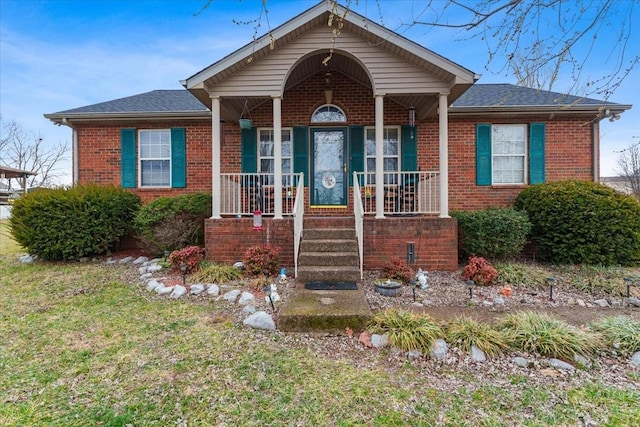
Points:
(155, 158)
(391, 153)
(509, 153)
(266, 153)
(328, 114)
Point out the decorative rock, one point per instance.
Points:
(427, 302)
(146, 276)
(498, 301)
(416, 304)
(477, 355)
(140, 260)
(414, 354)
(26, 259)
(563, 366)
(487, 303)
(522, 362)
(83, 259)
(379, 341)
(111, 261)
(581, 360)
(163, 290)
(214, 289)
(580, 303)
(589, 305)
(635, 360)
(571, 302)
(197, 289)
(438, 350)
(634, 301)
(232, 295)
(601, 303)
(154, 268)
(126, 260)
(245, 298)
(616, 304)
(178, 291)
(239, 265)
(260, 320)
(249, 309)
(143, 270)
(153, 285)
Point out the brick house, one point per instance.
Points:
(352, 125)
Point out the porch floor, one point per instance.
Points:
(324, 311)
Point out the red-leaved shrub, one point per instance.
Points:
(191, 256)
(480, 271)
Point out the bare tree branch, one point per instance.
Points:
(629, 168)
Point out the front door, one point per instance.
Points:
(329, 167)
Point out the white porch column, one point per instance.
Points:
(443, 131)
(379, 103)
(277, 148)
(216, 181)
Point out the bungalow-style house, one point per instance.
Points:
(332, 120)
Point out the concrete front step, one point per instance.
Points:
(328, 258)
(328, 245)
(324, 311)
(329, 233)
(328, 274)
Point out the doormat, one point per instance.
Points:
(331, 286)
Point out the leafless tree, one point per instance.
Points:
(22, 149)
(629, 168)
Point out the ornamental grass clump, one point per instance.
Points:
(406, 330)
(621, 332)
(216, 273)
(542, 334)
(464, 332)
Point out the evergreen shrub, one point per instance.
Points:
(169, 223)
(492, 233)
(579, 222)
(70, 223)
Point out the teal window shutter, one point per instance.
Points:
(128, 157)
(356, 162)
(249, 142)
(409, 147)
(178, 158)
(536, 153)
(300, 151)
(483, 154)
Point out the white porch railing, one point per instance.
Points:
(243, 193)
(404, 192)
(358, 213)
(298, 221)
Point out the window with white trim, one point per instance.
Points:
(391, 153)
(266, 153)
(155, 158)
(509, 153)
(328, 114)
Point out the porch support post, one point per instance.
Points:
(277, 148)
(379, 104)
(443, 116)
(216, 180)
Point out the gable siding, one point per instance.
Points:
(266, 77)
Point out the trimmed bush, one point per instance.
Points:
(261, 260)
(65, 224)
(169, 223)
(575, 222)
(190, 256)
(396, 269)
(480, 271)
(492, 233)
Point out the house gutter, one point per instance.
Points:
(613, 109)
(66, 118)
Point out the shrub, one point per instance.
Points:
(71, 223)
(540, 333)
(261, 260)
(406, 330)
(480, 271)
(493, 233)
(576, 222)
(621, 332)
(465, 332)
(191, 256)
(216, 273)
(169, 223)
(398, 270)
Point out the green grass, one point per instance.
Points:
(79, 346)
(543, 334)
(8, 246)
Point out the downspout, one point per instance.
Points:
(595, 137)
(74, 152)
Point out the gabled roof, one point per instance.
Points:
(498, 97)
(157, 103)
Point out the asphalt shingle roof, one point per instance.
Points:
(503, 94)
(156, 101)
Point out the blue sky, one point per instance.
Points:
(62, 54)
